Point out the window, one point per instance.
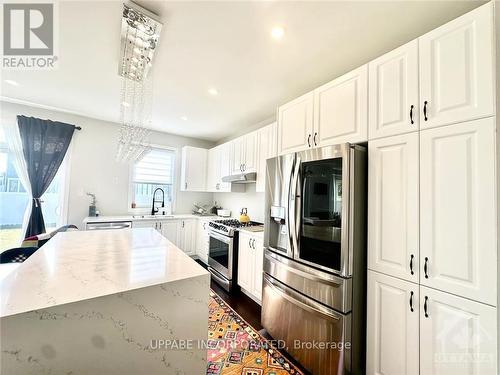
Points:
(14, 199)
(155, 170)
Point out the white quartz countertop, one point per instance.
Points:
(80, 265)
(138, 217)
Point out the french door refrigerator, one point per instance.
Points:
(314, 289)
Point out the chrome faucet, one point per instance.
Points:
(153, 209)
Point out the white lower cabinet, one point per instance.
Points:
(202, 240)
(186, 236)
(169, 230)
(457, 336)
(250, 262)
(413, 329)
(392, 326)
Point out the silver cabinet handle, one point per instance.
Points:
(161, 225)
(250, 243)
(314, 138)
(185, 185)
(309, 140)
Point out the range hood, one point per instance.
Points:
(241, 178)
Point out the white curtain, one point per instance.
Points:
(15, 145)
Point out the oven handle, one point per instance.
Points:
(220, 237)
(304, 302)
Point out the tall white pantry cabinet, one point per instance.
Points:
(433, 203)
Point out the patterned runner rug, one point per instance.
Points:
(235, 348)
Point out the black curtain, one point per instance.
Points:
(44, 143)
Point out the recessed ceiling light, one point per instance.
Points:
(11, 82)
(125, 104)
(277, 32)
(213, 91)
(184, 118)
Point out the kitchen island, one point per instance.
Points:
(99, 302)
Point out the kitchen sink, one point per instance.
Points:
(151, 216)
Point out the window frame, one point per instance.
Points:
(147, 210)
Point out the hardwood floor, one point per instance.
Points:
(242, 304)
(249, 310)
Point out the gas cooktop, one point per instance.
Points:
(228, 226)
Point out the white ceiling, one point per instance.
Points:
(226, 45)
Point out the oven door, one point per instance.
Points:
(319, 208)
(220, 254)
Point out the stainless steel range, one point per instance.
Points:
(314, 287)
(223, 250)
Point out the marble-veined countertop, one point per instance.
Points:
(145, 217)
(80, 265)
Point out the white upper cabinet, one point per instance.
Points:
(250, 152)
(457, 336)
(244, 153)
(194, 169)
(213, 169)
(393, 95)
(295, 124)
(393, 222)
(392, 326)
(237, 155)
(267, 149)
(458, 252)
(340, 109)
(456, 70)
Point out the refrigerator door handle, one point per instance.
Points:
(292, 202)
(304, 302)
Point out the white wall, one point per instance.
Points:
(249, 199)
(93, 165)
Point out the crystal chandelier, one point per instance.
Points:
(139, 39)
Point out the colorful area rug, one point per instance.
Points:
(235, 348)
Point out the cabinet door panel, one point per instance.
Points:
(393, 227)
(295, 124)
(394, 92)
(456, 69)
(238, 153)
(212, 175)
(340, 113)
(250, 160)
(169, 230)
(194, 169)
(258, 258)
(457, 337)
(245, 263)
(392, 328)
(457, 209)
(224, 165)
(266, 150)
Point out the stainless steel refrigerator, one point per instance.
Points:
(314, 293)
